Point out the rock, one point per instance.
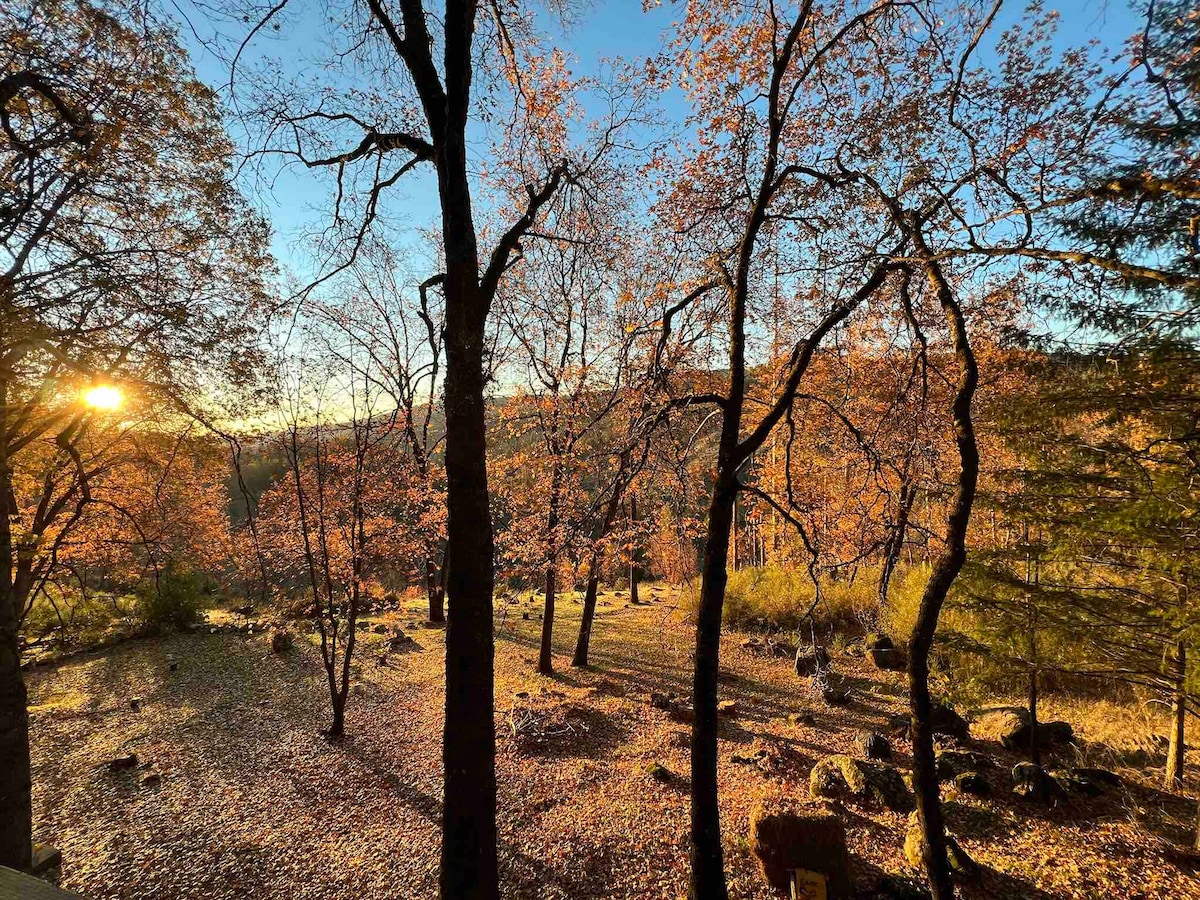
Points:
(1032, 782)
(951, 763)
(281, 640)
(960, 863)
(878, 641)
(874, 745)
(809, 661)
(402, 643)
(1072, 782)
(727, 707)
(123, 762)
(788, 834)
(888, 659)
(44, 858)
(973, 783)
(834, 696)
(1098, 776)
(151, 780)
(841, 776)
(380, 628)
(944, 720)
(749, 759)
(659, 773)
(1012, 727)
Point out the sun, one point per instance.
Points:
(103, 397)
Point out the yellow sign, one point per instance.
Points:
(807, 885)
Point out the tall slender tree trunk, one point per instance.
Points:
(707, 857)
(16, 779)
(1177, 751)
(545, 651)
(946, 569)
(634, 572)
(468, 860)
(583, 642)
(1035, 747)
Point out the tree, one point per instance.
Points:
(128, 257)
(434, 73)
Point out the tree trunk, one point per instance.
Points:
(16, 778)
(1177, 751)
(946, 569)
(582, 644)
(633, 560)
(707, 858)
(1035, 749)
(545, 653)
(16, 804)
(433, 589)
(468, 860)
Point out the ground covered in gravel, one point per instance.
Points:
(236, 794)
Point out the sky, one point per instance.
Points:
(296, 202)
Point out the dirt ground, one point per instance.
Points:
(251, 801)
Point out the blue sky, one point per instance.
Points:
(602, 30)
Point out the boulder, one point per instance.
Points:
(874, 745)
(659, 773)
(1012, 727)
(879, 641)
(842, 776)
(943, 718)
(1098, 776)
(1072, 782)
(281, 640)
(1032, 782)
(402, 643)
(951, 763)
(788, 834)
(961, 865)
(973, 783)
(809, 661)
(888, 659)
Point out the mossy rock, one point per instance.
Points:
(841, 776)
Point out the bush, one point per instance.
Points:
(176, 600)
(780, 598)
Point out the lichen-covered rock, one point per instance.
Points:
(787, 834)
(842, 776)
